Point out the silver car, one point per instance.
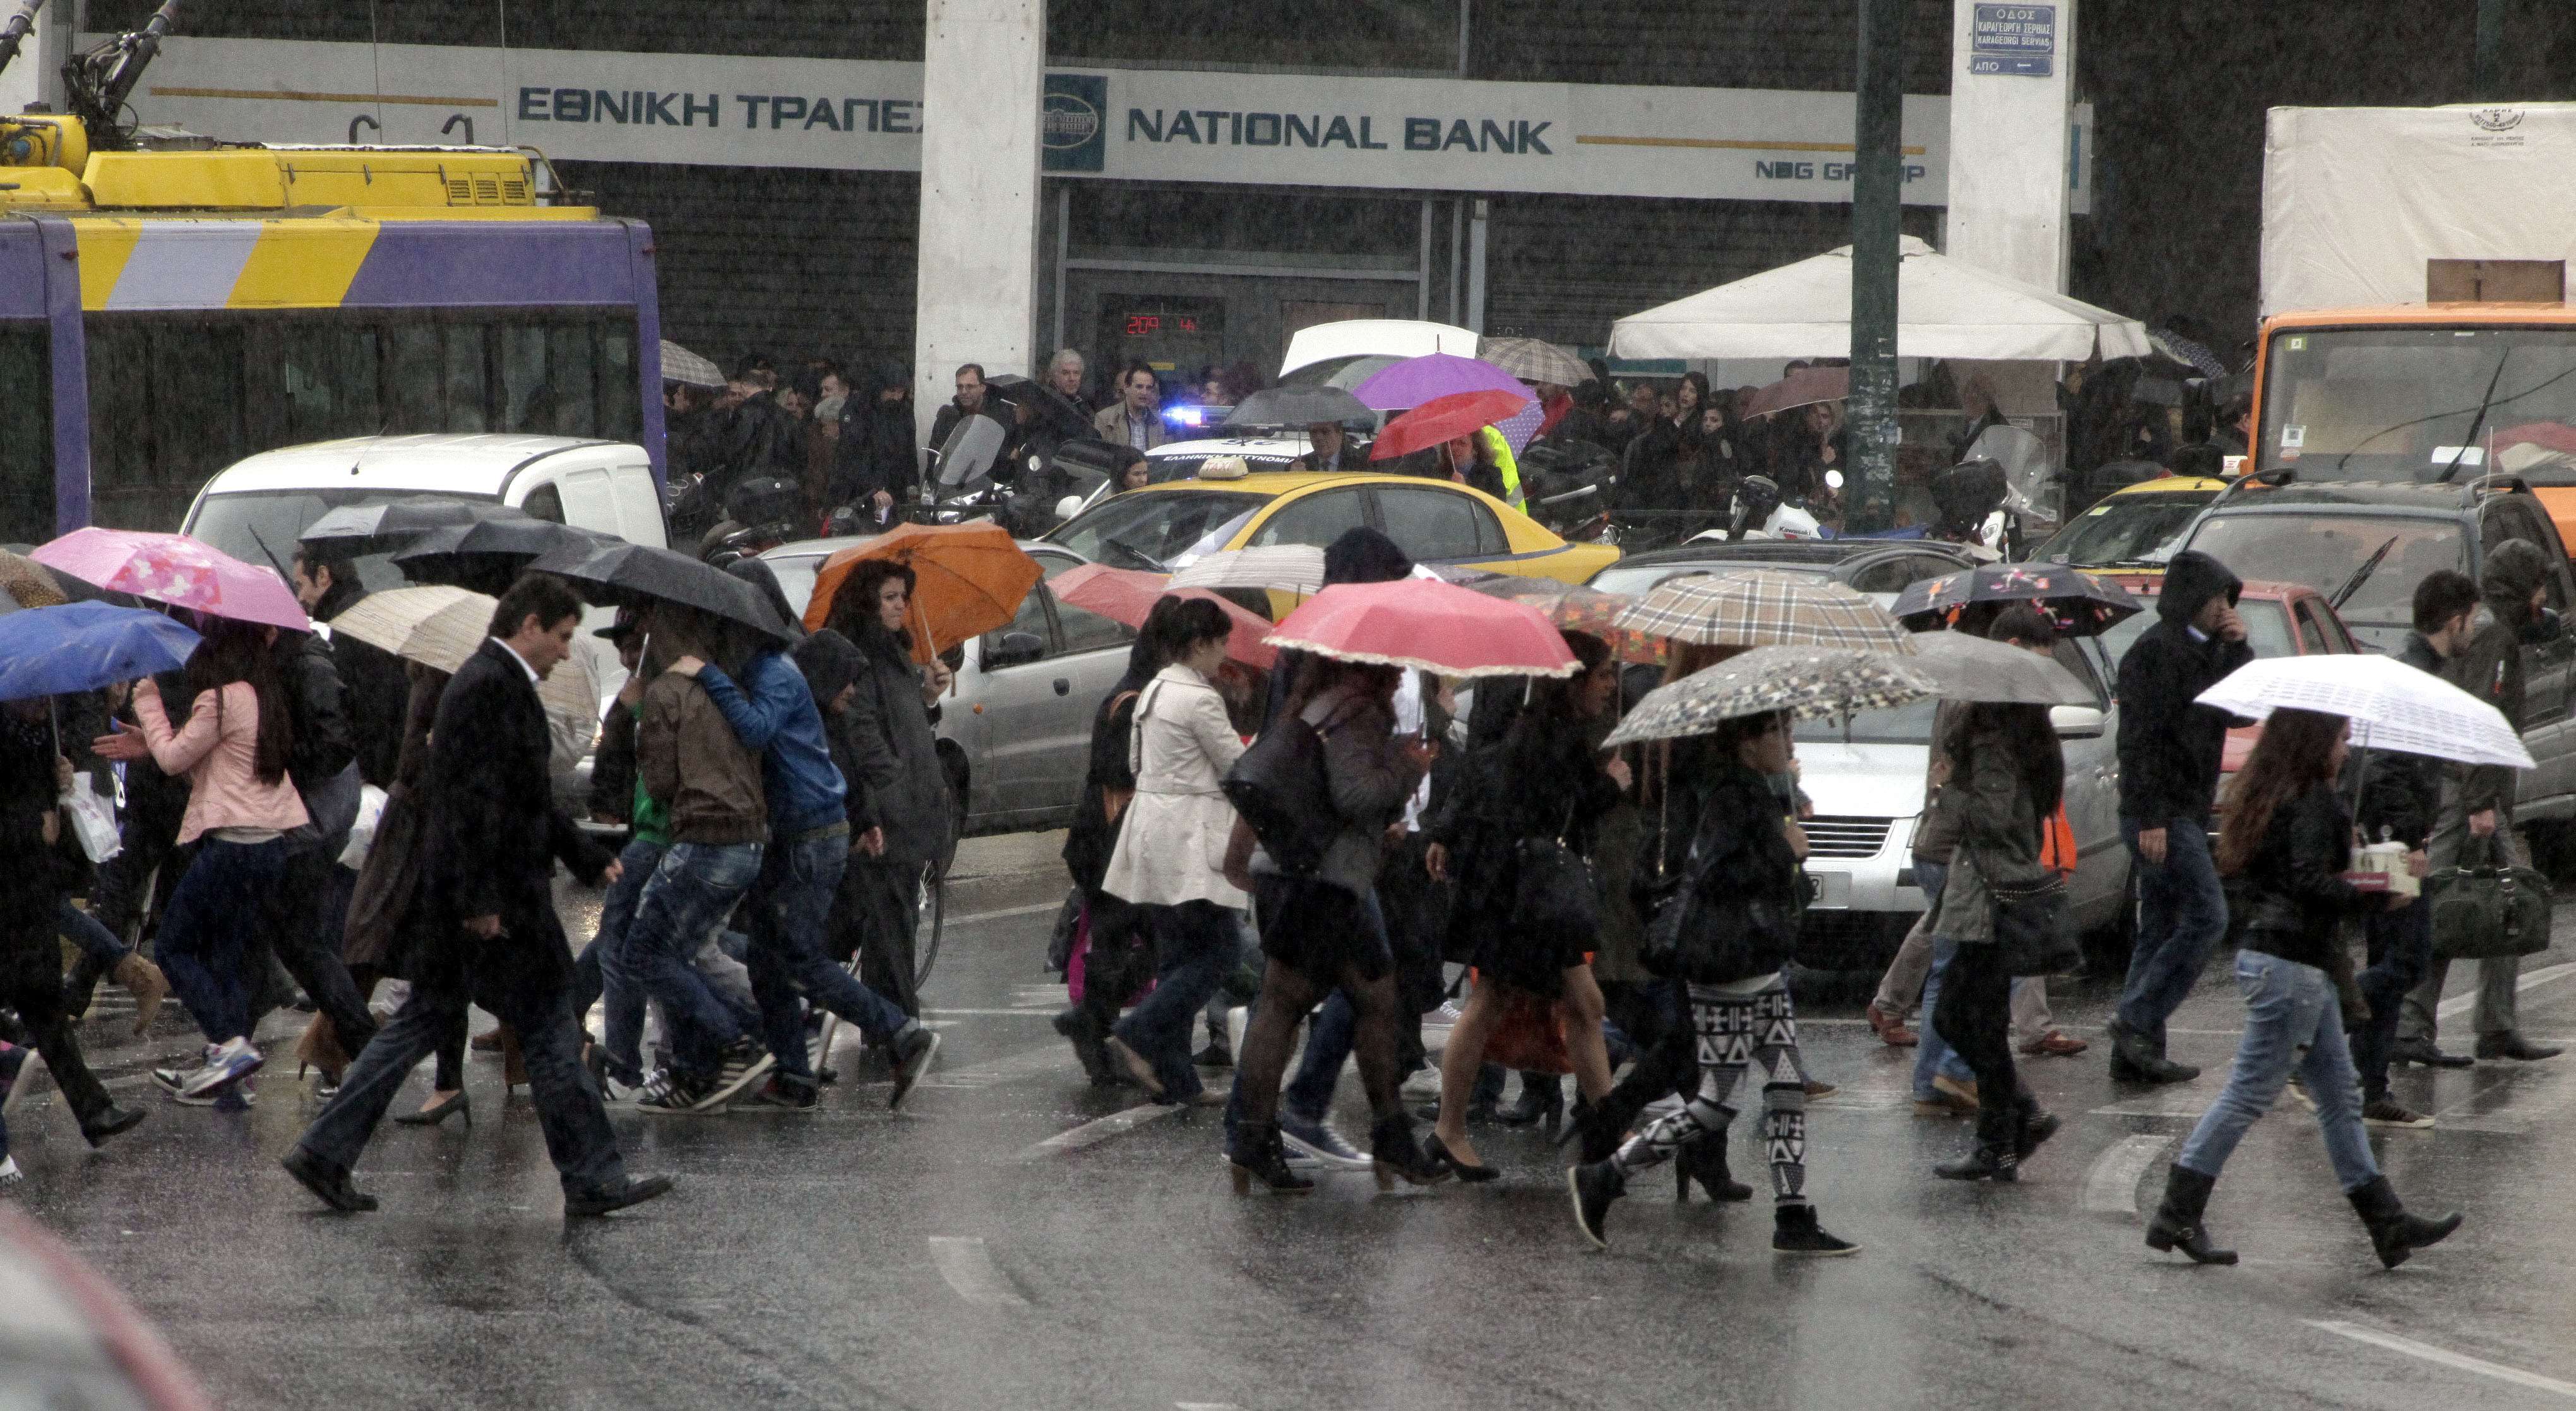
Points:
(1016, 732)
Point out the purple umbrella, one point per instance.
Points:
(1415, 381)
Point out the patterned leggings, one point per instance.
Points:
(1737, 1032)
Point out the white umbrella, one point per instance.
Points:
(2393, 706)
(1945, 309)
(1285, 568)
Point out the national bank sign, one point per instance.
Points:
(1104, 124)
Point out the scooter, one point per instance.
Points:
(1758, 512)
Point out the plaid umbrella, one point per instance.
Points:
(2081, 604)
(1534, 360)
(1757, 608)
(1807, 681)
(681, 365)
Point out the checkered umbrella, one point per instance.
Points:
(1806, 681)
(1759, 608)
(1534, 360)
(681, 365)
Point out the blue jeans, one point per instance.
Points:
(687, 898)
(99, 947)
(620, 985)
(2401, 954)
(2182, 913)
(789, 909)
(1933, 1054)
(208, 930)
(1194, 948)
(2292, 1021)
(1328, 1039)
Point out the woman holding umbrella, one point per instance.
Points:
(1545, 780)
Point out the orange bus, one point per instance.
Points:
(2422, 392)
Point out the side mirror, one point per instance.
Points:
(1014, 649)
(2076, 722)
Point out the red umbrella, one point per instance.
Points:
(1425, 623)
(1128, 595)
(1445, 419)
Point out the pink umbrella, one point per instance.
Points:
(175, 569)
(1426, 623)
(1415, 381)
(1127, 596)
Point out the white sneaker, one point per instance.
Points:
(10, 1175)
(234, 1060)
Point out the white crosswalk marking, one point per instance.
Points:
(969, 1268)
(2111, 1186)
(2446, 1357)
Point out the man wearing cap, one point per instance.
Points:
(616, 797)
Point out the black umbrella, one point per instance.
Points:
(618, 572)
(1299, 406)
(487, 555)
(370, 529)
(2081, 604)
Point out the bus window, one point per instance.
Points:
(168, 408)
(468, 388)
(330, 381)
(572, 360)
(620, 415)
(26, 439)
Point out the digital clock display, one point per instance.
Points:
(1154, 325)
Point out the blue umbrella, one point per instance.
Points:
(82, 646)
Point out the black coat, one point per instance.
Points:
(2293, 893)
(1742, 895)
(376, 687)
(2402, 793)
(495, 833)
(2171, 749)
(875, 451)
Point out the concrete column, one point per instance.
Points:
(2012, 74)
(983, 72)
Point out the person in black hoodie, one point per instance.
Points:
(2289, 839)
(874, 467)
(2401, 801)
(2170, 752)
(2478, 802)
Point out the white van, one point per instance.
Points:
(254, 508)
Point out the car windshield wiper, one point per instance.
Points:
(2360, 575)
(1152, 564)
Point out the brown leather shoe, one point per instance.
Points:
(1890, 1030)
(2055, 1044)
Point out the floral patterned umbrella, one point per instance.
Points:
(1808, 682)
(2081, 604)
(178, 570)
(1579, 610)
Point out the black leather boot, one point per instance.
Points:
(1704, 1161)
(1594, 1185)
(2393, 1232)
(1794, 1231)
(2176, 1223)
(1541, 1103)
(2035, 1127)
(1393, 1153)
(1997, 1156)
(1259, 1155)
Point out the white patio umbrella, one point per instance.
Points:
(1945, 309)
(2393, 706)
(1285, 568)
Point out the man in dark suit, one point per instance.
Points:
(494, 836)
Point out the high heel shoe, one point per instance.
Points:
(1541, 1102)
(1472, 1175)
(1260, 1155)
(462, 1104)
(1392, 1153)
(1704, 1161)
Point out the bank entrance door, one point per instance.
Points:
(1183, 322)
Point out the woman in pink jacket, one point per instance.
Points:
(233, 746)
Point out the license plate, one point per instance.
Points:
(1833, 890)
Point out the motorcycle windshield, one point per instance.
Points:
(969, 452)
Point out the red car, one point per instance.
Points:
(2281, 619)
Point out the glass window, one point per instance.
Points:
(26, 437)
(2127, 528)
(2325, 551)
(168, 408)
(329, 382)
(1031, 618)
(1314, 519)
(545, 502)
(526, 396)
(2267, 626)
(1147, 529)
(1885, 576)
(240, 524)
(1433, 524)
(620, 411)
(1084, 630)
(1903, 725)
(2398, 403)
(467, 398)
(2312, 639)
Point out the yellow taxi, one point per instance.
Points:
(1160, 527)
(2137, 523)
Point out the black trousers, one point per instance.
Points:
(302, 923)
(1975, 1015)
(879, 904)
(1120, 961)
(1417, 916)
(31, 978)
(2401, 954)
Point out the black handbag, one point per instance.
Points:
(2035, 926)
(1279, 787)
(1554, 900)
(2487, 911)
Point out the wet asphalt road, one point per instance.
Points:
(971, 1254)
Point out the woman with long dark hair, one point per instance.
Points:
(909, 810)
(1320, 931)
(2007, 776)
(1544, 780)
(233, 748)
(2289, 838)
(1741, 901)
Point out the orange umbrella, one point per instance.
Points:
(968, 579)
